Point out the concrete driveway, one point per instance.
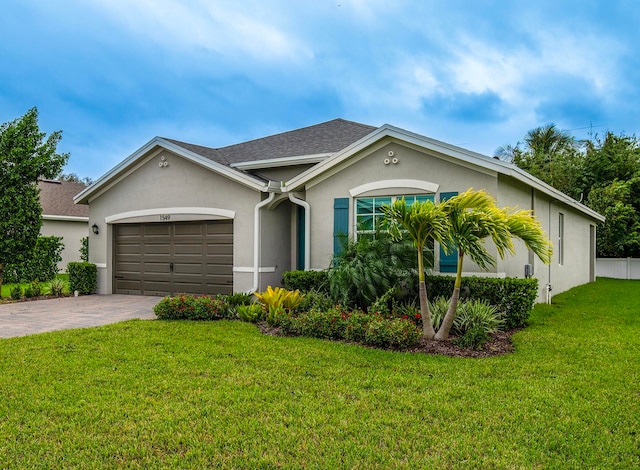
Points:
(27, 318)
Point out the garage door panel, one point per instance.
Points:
(188, 249)
(220, 228)
(201, 254)
(156, 230)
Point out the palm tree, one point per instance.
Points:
(423, 221)
(474, 217)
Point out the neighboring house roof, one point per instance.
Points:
(56, 199)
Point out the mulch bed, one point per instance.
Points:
(9, 300)
(498, 344)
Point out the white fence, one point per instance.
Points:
(618, 268)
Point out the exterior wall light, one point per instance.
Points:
(95, 229)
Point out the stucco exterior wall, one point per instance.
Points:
(181, 184)
(71, 232)
(280, 174)
(370, 166)
(275, 244)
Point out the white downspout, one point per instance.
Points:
(256, 241)
(307, 229)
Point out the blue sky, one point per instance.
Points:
(112, 74)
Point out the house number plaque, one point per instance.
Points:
(165, 217)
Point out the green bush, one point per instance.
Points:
(396, 333)
(33, 289)
(41, 264)
(84, 249)
(474, 314)
(473, 338)
(57, 287)
(83, 277)
(252, 313)
(356, 326)
(16, 292)
(513, 296)
(187, 307)
(239, 298)
(315, 300)
(367, 268)
(306, 281)
(438, 309)
(328, 324)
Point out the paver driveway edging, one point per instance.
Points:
(26, 318)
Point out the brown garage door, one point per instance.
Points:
(170, 258)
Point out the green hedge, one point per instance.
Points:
(83, 277)
(188, 307)
(512, 296)
(41, 264)
(306, 281)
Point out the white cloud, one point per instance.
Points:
(224, 27)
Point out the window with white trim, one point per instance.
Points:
(369, 216)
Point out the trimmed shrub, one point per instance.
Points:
(392, 334)
(306, 281)
(33, 290)
(16, 292)
(187, 307)
(83, 277)
(330, 324)
(513, 296)
(356, 327)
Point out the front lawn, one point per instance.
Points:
(6, 287)
(162, 394)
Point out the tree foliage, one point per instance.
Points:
(603, 173)
(26, 155)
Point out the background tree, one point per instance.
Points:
(551, 155)
(74, 178)
(26, 155)
(603, 173)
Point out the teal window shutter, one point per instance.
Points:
(340, 223)
(448, 263)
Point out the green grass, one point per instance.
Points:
(6, 288)
(152, 394)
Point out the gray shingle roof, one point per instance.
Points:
(326, 137)
(56, 198)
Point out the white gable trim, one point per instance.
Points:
(171, 214)
(425, 186)
(283, 161)
(134, 160)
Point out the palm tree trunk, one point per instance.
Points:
(447, 323)
(427, 328)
